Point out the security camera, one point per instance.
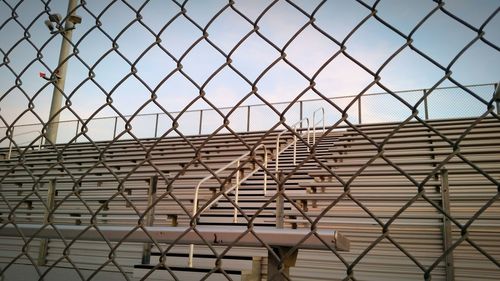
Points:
(50, 25)
(55, 18)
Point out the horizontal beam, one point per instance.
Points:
(215, 235)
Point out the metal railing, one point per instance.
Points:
(314, 123)
(279, 150)
(430, 109)
(235, 163)
(11, 143)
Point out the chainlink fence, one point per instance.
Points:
(204, 172)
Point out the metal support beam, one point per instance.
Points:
(44, 243)
(157, 117)
(280, 204)
(248, 119)
(200, 124)
(150, 217)
(185, 235)
(426, 106)
(301, 112)
(359, 110)
(496, 97)
(447, 235)
(255, 273)
(279, 269)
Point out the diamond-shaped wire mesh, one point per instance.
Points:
(238, 124)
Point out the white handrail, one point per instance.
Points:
(24, 133)
(235, 187)
(314, 122)
(294, 143)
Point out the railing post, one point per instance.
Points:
(280, 204)
(201, 122)
(359, 110)
(114, 128)
(497, 96)
(248, 118)
(426, 106)
(77, 127)
(47, 218)
(10, 143)
(156, 124)
(150, 217)
(447, 234)
(301, 108)
(237, 192)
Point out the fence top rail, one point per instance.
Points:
(200, 235)
(262, 104)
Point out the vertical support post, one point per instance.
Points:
(280, 204)
(10, 144)
(150, 217)
(255, 273)
(280, 259)
(359, 110)
(447, 235)
(265, 171)
(279, 269)
(77, 127)
(301, 110)
(156, 124)
(60, 72)
(497, 96)
(426, 106)
(47, 219)
(248, 118)
(115, 126)
(237, 191)
(201, 122)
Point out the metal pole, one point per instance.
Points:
(359, 110)
(497, 96)
(280, 203)
(150, 216)
(426, 106)
(114, 128)
(156, 125)
(248, 119)
(201, 122)
(237, 192)
(77, 127)
(10, 143)
(447, 235)
(47, 219)
(301, 108)
(57, 94)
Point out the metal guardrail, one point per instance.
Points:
(9, 154)
(237, 164)
(279, 150)
(302, 104)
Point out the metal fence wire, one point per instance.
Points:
(313, 197)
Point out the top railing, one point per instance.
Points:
(444, 102)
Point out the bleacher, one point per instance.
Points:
(381, 186)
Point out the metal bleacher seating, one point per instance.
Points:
(382, 186)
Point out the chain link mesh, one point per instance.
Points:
(417, 198)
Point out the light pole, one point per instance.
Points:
(59, 77)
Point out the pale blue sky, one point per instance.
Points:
(440, 37)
